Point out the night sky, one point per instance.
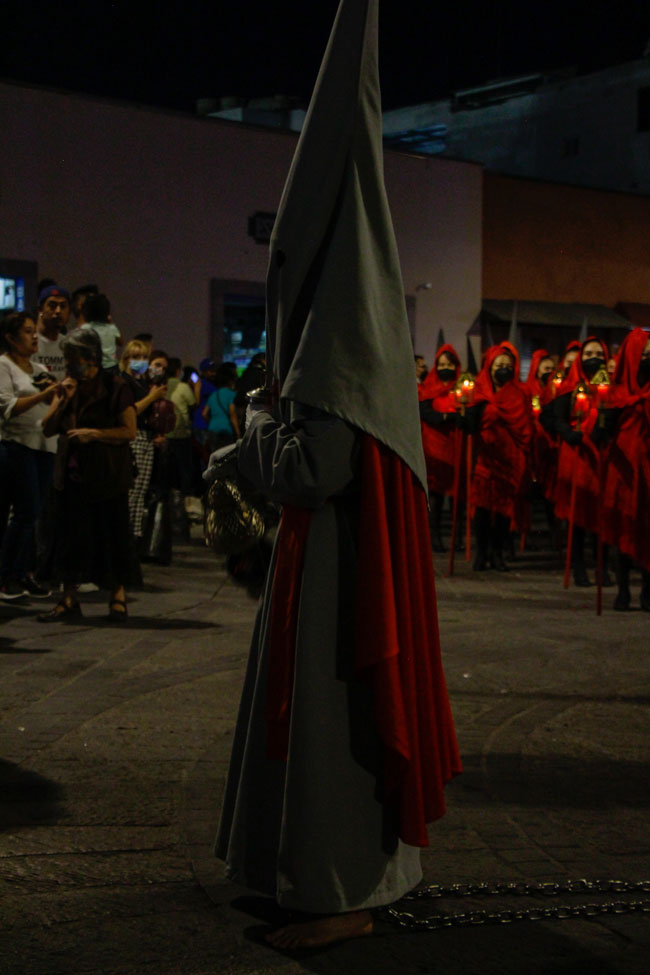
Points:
(169, 55)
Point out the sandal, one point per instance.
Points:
(117, 615)
(66, 609)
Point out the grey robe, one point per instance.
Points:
(311, 831)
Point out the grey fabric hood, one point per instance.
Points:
(336, 318)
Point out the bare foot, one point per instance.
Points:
(324, 931)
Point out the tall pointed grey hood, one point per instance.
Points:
(336, 318)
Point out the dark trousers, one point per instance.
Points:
(28, 477)
(181, 464)
(4, 490)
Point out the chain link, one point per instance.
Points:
(435, 922)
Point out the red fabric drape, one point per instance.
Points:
(398, 646)
(626, 509)
(501, 472)
(283, 625)
(439, 442)
(397, 642)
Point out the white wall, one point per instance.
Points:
(152, 205)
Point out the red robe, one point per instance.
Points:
(397, 640)
(440, 443)
(626, 507)
(499, 482)
(580, 463)
(544, 447)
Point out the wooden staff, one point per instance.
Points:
(599, 538)
(569, 543)
(579, 402)
(458, 454)
(468, 519)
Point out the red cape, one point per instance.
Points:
(543, 447)
(397, 641)
(440, 443)
(503, 442)
(626, 509)
(580, 463)
(532, 384)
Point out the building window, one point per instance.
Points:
(643, 110)
(571, 146)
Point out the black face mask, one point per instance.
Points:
(544, 378)
(592, 365)
(446, 374)
(503, 374)
(643, 375)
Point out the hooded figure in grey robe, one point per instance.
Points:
(312, 831)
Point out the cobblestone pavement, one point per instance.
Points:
(114, 742)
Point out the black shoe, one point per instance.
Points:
(32, 589)
(11, 590)
(607, 582)
(644, 601)
(117, 611)
(580, 577)
(622, 601)
(480, 564)
(65, 610)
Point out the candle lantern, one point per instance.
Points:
(464, 391)
(601, 381)
(537, 405)
(581, 404)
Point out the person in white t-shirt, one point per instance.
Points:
(96, 313)
(53, 315)
(26, 389)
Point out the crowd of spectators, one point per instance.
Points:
(103, 441)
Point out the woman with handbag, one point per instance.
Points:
(94, 414)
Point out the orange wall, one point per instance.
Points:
(548, 242)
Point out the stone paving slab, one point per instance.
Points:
(114, 744)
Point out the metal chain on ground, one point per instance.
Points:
(562, 912)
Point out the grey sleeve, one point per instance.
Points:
(302, 462)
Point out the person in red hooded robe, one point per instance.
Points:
(575, 412)
(501, 417)
(626, 509)
(570, 355)
(544, 449)
(439, 433)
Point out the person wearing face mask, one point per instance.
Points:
(574, 421)
(626, 505)
(26, 389)
(135, 367)
(501, 419)
(438, 420)
(93, 413)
